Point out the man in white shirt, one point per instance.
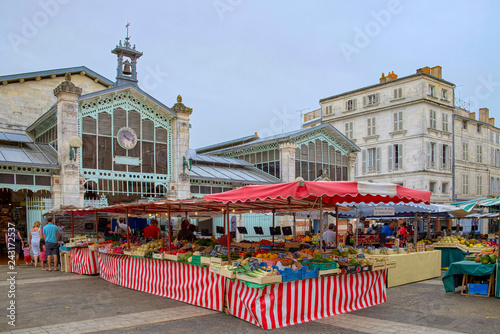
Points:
(330, 236)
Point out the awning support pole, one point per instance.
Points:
(128, 234)
(72, 224)
(168, 229)
(274, 221)
(320, 223)
(228, 235)
(96, 227)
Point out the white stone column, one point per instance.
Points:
(181, 145)
(288, 161)
(67, 189)
(351, 162)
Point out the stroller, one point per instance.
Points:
(27, 256)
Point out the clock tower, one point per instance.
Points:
(126, 71)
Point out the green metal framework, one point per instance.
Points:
(336, 166)
(144, 184)
(46, 132)
(26, 178)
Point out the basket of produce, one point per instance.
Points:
(252, 272)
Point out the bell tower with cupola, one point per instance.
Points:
(126, 71)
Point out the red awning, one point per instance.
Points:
(331, 193)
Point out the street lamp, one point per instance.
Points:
(75, 143)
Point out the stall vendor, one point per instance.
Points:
(330, 236)
(152, 231)
(388, 230)
(108, 232)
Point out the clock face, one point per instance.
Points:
(127, 138)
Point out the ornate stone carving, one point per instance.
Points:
(71, 169)
(184, 177)
(183, 127)
(179, 107)
(67, 87)
(70, 109)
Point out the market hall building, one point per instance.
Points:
(73, 137)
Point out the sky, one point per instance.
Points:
(248, 66)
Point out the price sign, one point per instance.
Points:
(361, 256)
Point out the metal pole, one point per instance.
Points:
(358, 215)
(294, 227)
(228, 235)
(321, 223)
(168, 228)
(337, 226)
(96, 227)
(72, 224)
(128, 235)
(415, 230)
(274, 212)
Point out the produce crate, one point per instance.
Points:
(70, 244)
(378, 266)
(226, 273)
(63, 248)
(390, 264)
(328, 272)
(289, 274)
(158, 256)
(292, 244)
(171, 257)
(350, 269)
(260, 280)
(214, 269)
(78, 239)
(420, 247)
(218, 261)
(196, 260)
(309, 273)
(205, 261)
(269, 263)
(127, 252)
(320, 264)
(478, 289)
(65, 261)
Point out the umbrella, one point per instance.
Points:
(471, 204)
(324, 194)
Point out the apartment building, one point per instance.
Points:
(410, 133)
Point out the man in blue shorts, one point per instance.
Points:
(51, 236)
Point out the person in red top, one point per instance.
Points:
(402, 231)
(152, 231)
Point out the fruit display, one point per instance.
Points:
(482, 258)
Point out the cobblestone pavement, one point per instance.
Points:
(56, 302)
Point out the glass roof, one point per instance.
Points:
(219, 160)
(28, 154)
(15, 137)
(251, 175)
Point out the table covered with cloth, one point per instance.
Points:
(450, 255)
(452, 277)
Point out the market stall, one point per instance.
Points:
(83, 261)
(414, 267)
(184, 282)
(291, 303)
(254, 294)
(454, 275)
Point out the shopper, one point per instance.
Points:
(193, 228)
(123, 226)
(152, 231)
(35, 241)
(330, 236)
(12, 236)
(349, 236)
(51, 237)
(43, 254)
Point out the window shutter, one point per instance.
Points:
(400, 156)
(492, 156)
(374, 128)
(355, 103)
(365, 100)
(400, 92)
(346, 105)
(428, 154)
(441, 153)
(448, 158)
(377, 97)
(390, 160)
(395, 94)
(363, 164)
(377, 152)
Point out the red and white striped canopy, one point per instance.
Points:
(330, 193)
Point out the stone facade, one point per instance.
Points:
(22, 103)
(399, 124)
(181, 184)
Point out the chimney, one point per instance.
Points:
(484, 115)
(382, 78)
(391, 76)
(424, 70)
(437, 71)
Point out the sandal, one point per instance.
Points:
(56, 269)
(44, 269)
(49, 269)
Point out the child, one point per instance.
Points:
(27, 256)
(43, 255)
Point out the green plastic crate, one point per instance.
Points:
(321, 265)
